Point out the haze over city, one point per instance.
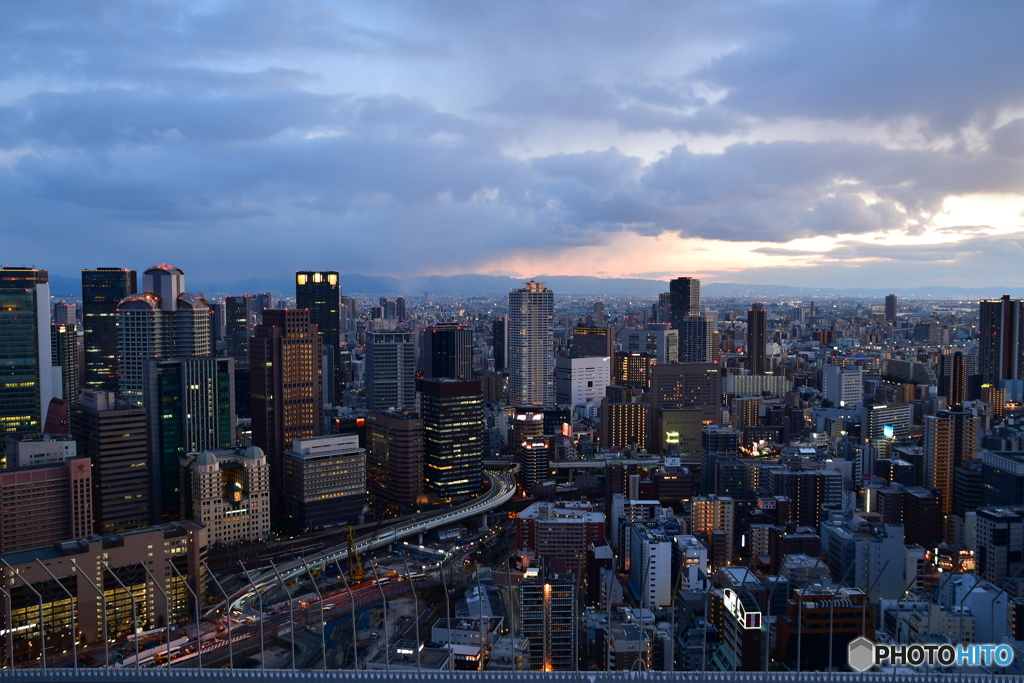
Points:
(747, 142)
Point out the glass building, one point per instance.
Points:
(102, 290)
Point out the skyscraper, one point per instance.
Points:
(547, 613)
(390, 370)
(113, 436)
(394, 461)
(64, 355)
(891, 307)
(499, 344)
(446, 350)
(190, 408)
(531, 358)
(102, 290)
(684, 299)
(285, 386)
(698, 339)
(453, 437)
(25, 360)
(239, 321)
(591, 342)
(162, 321)
(757, 338)
(949, 439)
(320, 294)
(1000, 332)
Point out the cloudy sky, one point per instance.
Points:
(782, 142)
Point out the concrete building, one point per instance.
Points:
(1002, 476)
(560, 530)
(658, 340)
(26, 364)
(698, 339)
(683, 385)
(650, 565)
(713, 516)
(624, 425)
(867, 546)
(548, 619)
(325, 481)
(30, 450)
(446, 351)
(581, 381)
(950, 438)
(531, 345)
(999, 543)
(390, 370)
(394, 465)
(588, 342)
(843, 386)
(453, 437)
(757, 385)
(45, 504)
(882, 423)
(228, 492)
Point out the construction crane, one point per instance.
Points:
(355, 567)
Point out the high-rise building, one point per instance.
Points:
(682, 385)
(950, 438)
(561, 530)
(581, 381)
(394, 443)
(531, 348)
(891, 308)
(624, 425)
(547, 614)
(446, 350)
(102, 290)
(65, 313)
(228, 491)
(757, 339)
(882, 423)
(25, 361)
(390, 370)
(842, 385)
(114, 438)
(1000, 333)
(684, 299)
(588, 342)
(320, 294)
(657, 340)
(64, 355)
(999, 539)
(955, 372)
(716, 444)
(162, 321)
(285, 386)
(325, 480)
(262, 301)
(499, 344)
(712, 516)
(191, 408)
(631, 369)
(453, 437)
(239, 321)
(698, 339)
(46, 503)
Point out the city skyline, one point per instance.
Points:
(774, 143)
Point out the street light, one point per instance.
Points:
(103, 603)
(323, 624)
(135, 614)
(195, 598)
(227, 608)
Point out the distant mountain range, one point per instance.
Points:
(491, 285)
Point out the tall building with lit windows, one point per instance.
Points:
(319, 292)
(757, 339)
(453, 437)
(684, 300)
(390, 370)
(531, 347)
(25, 361)
(548, 618)
(1000, 340)
(285, 386)
(102, 290)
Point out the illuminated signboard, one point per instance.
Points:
(748, 620)
(671, 437)
(673, 462)
(888, 431)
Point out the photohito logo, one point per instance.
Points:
(864, 654)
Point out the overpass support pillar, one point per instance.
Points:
(483, 522)
(419, 538)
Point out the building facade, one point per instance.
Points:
(390, 371)
(228, 492)
(325, 481)
(531, 345)
(453, 437)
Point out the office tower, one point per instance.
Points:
(631, 369)
(64, 314)
(650, 575)
(875, 550)
(114, 438)
(325, 481)
(684, 299)
(218, 325)
(590, 342)
(446, 350)
(401, 313)
(263, 301)
(285, 386)
(453, 437)
(922, 517)
(663, 309)
(162, 321)
(716, 444)
(757, 338)
(320, 294)
(683, 385)
(394, 443)
(43, 504)
(882, 423)
(561, 530)
(25, 362)
(698, 339)
(531, 348)
(239, 321)
(657, 340)
(1000, 331)
(950, 437)
(390, 370)
(714, 518)
(100, 560)
(499, 344)
(814, 489)
(190, 407)
(842, 386)
(228, 491)
(891, 304)
(581, 381)
(955, 371)
(547, 614)
(624, 425)
(64, 355)
(102, 290)
(999, 539)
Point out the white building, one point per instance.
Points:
(228, 492)
(28, 450)
(843, 386)
(531, 348)
(650, 566)
(581, 381)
